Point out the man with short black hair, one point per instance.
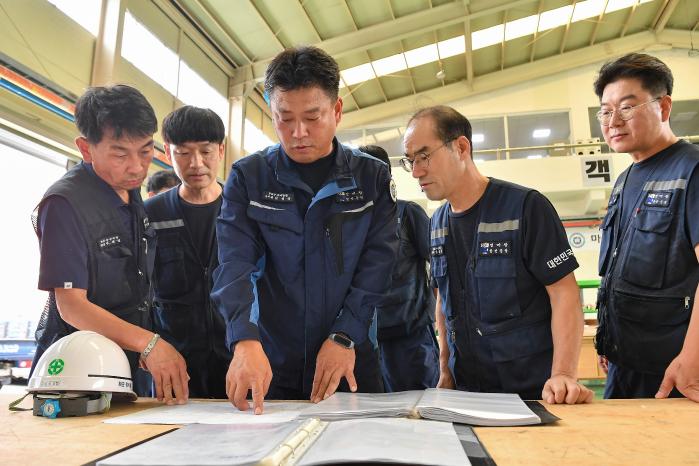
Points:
(186, 254)
(161, 181)
(508, 310)
(407, 342)
(96, 241)
(648, 334)
(307, 239)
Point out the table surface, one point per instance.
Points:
(604, 432)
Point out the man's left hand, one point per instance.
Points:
(333, 363)
(682, 373)
(565, 389)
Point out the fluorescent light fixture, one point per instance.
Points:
(554, 18)
(535, 156)
(478, 137)
(541, 133)
(86, 14)
(422, 55)
(451, 47)
(588, 9)
(390, 65)
(147, 53)
(358, 74)
(486, 37)
(521, 27)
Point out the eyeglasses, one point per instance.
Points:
(420, 159)
(624, 113)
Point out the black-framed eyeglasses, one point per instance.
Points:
(624, 113)
(420, 159)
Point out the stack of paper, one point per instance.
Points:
(479, 409)
(211, 412)
(363, 405)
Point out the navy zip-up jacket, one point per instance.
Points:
(290, 277)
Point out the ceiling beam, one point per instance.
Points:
(628, 18)
(468, 52)
(267, 26)
(402, 49)
(567, 30)
(532, 50)
(593, 37)
(667, 11)
(387, 32)
(516, 75)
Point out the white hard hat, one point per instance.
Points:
(83, 361)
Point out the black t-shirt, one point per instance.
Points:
(641, 172)
(543, 235)
(201, 223)
(315, 173)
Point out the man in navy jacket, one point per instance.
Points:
(307, 238)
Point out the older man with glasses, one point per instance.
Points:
(508, 308)
(648, 337)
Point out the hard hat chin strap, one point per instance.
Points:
(54, 405)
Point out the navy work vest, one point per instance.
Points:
(119, 268)
(409, 304)
(650, 272)
(519, 339)
(182, 309)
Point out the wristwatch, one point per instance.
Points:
(342, 340)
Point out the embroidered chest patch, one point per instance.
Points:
(355, 195)
(494, 248)
(277, 197)
(109, 241)
(437, 251)
(658, 198)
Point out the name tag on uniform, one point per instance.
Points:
(658, 198)
(437, 251)
(277, 197)
(494, 248)
(355, 195)
(109, 241)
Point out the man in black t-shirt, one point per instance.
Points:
(508, 309)
(186, 253)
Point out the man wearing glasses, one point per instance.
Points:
(648, 334)
(184, 219)
(508, 309)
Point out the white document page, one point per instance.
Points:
(207, 445)
(482, 409)
(362, 405)
(212, 412)
(400, 441)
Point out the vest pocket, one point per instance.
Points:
(116, 265)
(644, 264)
(170, 275)
(650, 331)
(497, 288)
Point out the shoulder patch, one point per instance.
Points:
(392, 189)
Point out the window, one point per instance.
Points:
(19, 270)
(85, 13)
(538, 130)
(147, 53)
(194, 90)
(488, 133)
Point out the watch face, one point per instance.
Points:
(342, 340)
